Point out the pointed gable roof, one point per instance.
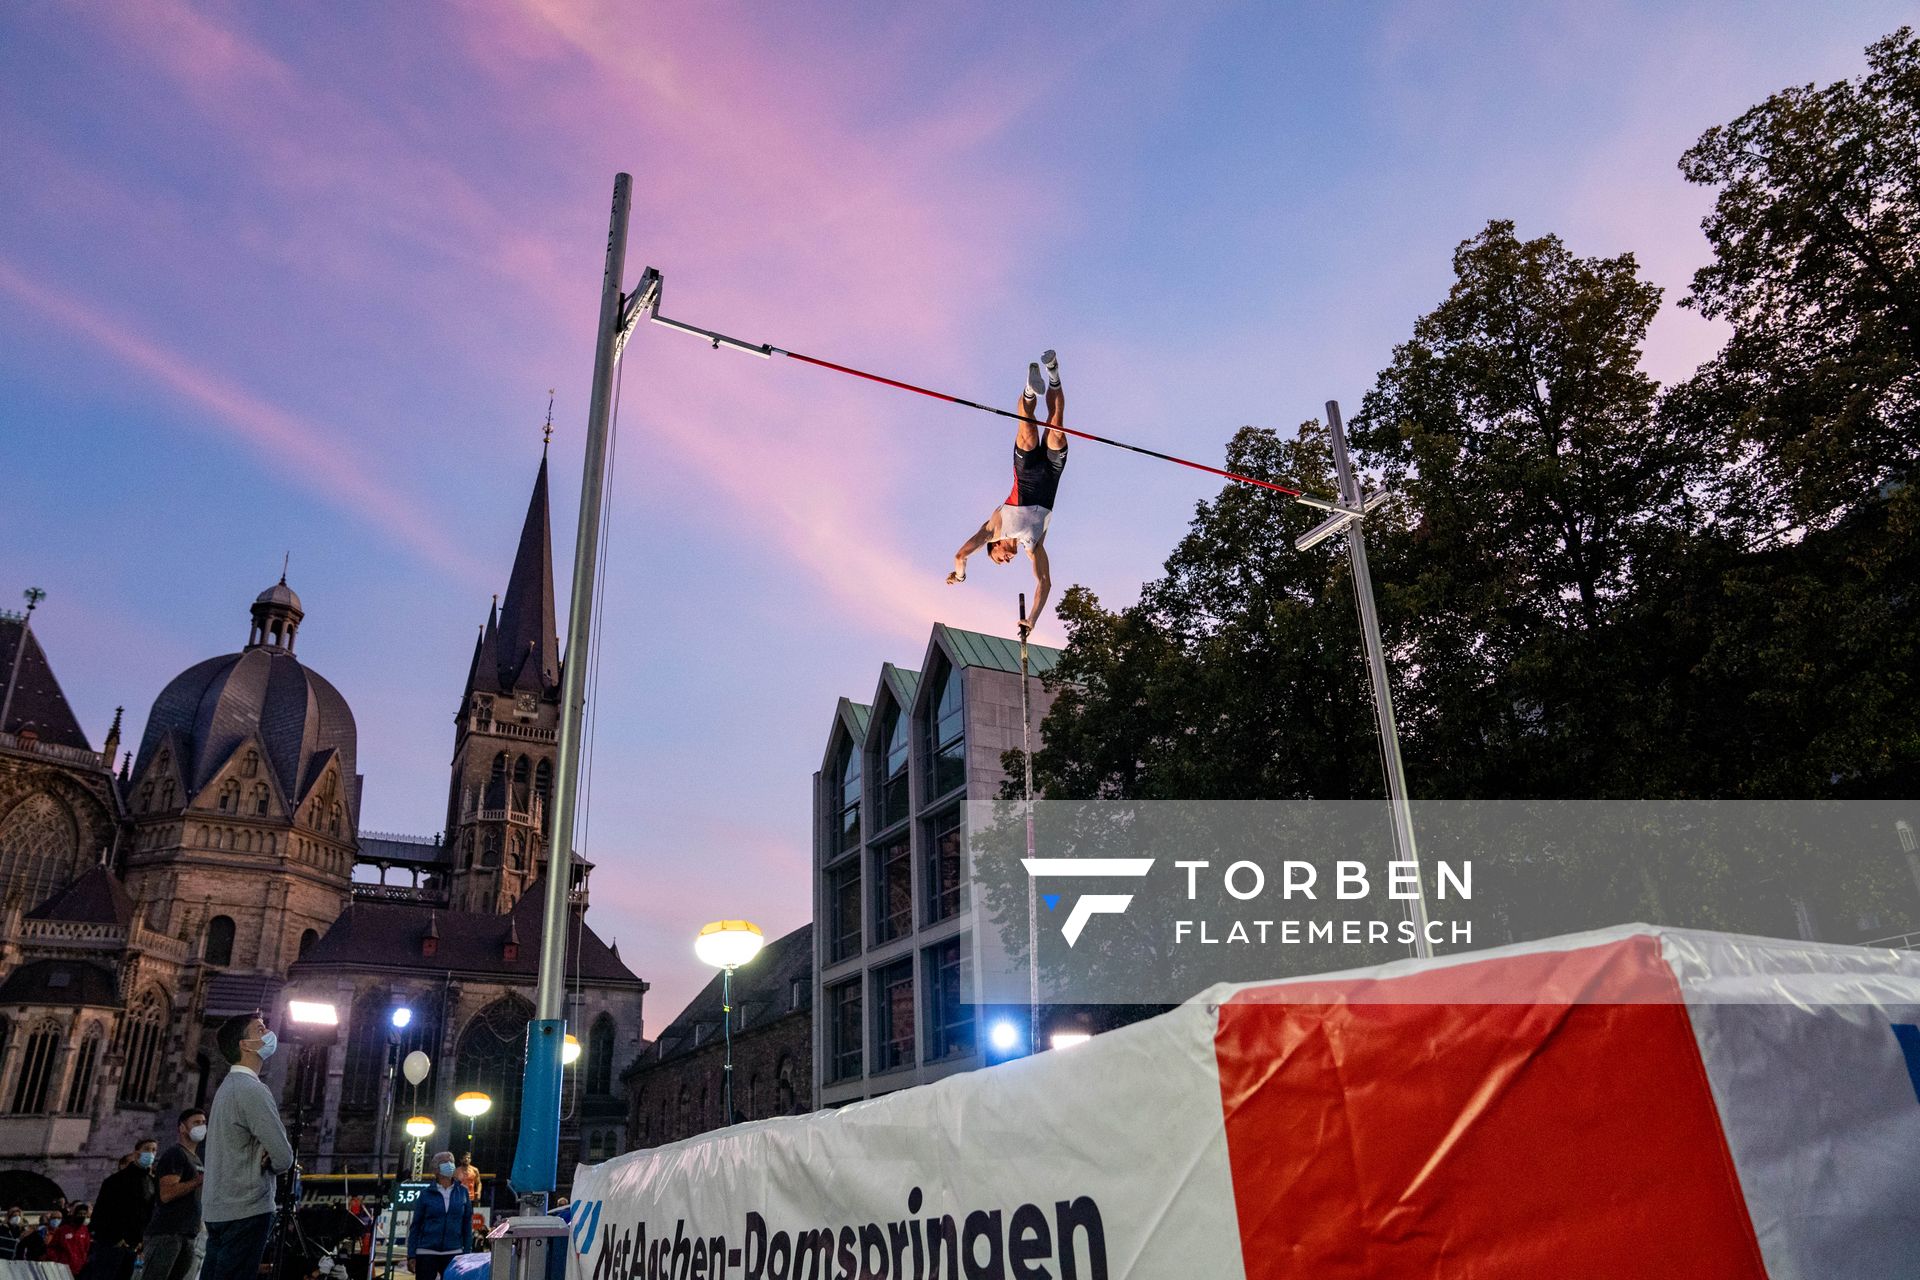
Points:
(38, 703)
(97, 897)
(528, 646)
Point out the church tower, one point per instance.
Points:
(507, 730)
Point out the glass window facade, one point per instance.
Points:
(893, 1015)
(846, 828)
(949, 1016)
(892, 889)
(843, 1031)
(946, 738)
(843, 910)
(941, 875)
(893, 769)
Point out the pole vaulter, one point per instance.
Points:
(524, 1240)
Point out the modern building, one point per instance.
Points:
(895, 992)
(677, 1087)
(223, 870)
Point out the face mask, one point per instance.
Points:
(146, 1159)
(446, 1168)
(53, 1224)
(15, 1220)
(268, 1043)
(198, 1133)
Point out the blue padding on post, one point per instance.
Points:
(537, 1156)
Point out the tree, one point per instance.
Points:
(1816, 240)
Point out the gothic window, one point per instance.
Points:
(600, 1057)
(366, 1051)
(39, 847)
(497, 784)
(166, 795)
(36, 1070)
(543, 791)
(307, 938)
(230, 797)
(84, 1063)
(146, 795)
(490, 849)
(142, 1034)
(220, 940)
(251, 765)
(261, 799)
(335, 818)
(490, 1057)
(522, 773)
(789, 1096)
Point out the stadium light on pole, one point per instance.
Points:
(726, 945)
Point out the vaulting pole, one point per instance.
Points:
(537, 1157)
(1033, 905)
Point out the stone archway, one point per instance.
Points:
(491, 1057)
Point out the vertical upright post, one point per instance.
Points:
(726, 1023)
(537, 1154)
(1033, 905)
(1402, 813)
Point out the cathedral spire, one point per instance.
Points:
(528, 645)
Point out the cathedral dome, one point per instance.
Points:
(263, 691)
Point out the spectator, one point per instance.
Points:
(13, 1236)
(37, 1243)
(469, 1176)
(442, 1221)
(120, 1216)
(246, 1147)
(176, 1212)
(72, 1241)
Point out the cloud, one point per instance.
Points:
(317, 456)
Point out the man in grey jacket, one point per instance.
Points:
(246, 1147)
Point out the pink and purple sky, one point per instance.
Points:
(297, 278)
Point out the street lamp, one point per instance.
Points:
(472, 1104)
(420, 1127)
(569, 1050)
(726, 945)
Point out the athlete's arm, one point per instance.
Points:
(1042, 583)
(981, 537)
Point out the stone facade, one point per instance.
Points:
(676, 1089)
(214, 875)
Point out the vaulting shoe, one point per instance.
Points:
(1036, 384)
(1052, 362)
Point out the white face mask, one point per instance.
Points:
(198, 1133)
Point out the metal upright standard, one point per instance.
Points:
(1351, 522)
(1033, 906)
(537, 1155)
(726, 1028)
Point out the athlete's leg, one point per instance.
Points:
(1056, 407)
(1028, 436)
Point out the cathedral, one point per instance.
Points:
(222, 869)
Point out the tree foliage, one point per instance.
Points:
(1816, 240)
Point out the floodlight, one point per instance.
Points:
(313, 1013)
(728, 944)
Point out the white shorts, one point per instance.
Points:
(1025, 525)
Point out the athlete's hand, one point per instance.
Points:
(957, 577)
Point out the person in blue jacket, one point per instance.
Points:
(442, 1222)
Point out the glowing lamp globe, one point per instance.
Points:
(473, 1103)
(419, 1127)
(728, 944)
(569, 1050)
(1004, 1036)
